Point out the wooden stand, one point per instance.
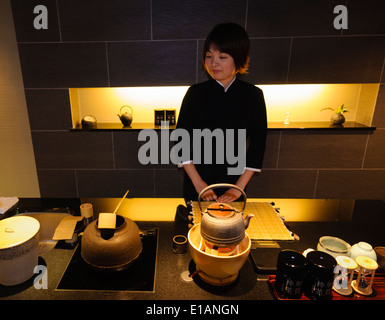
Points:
(366, 266)
(349, 265)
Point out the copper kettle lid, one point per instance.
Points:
(220, 210)
(222, 185)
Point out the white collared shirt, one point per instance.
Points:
(227, 88)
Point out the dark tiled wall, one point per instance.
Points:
(100, 43)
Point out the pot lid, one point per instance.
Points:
(221, 210)
(16, 230)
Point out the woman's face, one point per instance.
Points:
(220, 66)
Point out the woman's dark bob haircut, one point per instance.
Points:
(232, 39)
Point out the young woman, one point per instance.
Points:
(224, 102)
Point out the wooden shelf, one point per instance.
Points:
(319, 125)
(311, 125)
(135, 126)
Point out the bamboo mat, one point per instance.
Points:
(265, 225)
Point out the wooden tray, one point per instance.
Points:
(378, 290)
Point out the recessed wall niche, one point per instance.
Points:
(290, 105)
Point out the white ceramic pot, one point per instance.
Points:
(19, 249)
(362, 249)
(333, 246)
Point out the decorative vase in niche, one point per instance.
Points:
(337, 118)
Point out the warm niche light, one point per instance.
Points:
(301, 102)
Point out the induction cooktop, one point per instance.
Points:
(140, 276)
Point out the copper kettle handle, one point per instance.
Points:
(223, 185)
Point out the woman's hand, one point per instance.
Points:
(198, 183)
(229, 196)
(233, 194)
(209, 195)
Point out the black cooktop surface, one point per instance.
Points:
(138, 277)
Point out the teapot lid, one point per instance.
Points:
(220, 210)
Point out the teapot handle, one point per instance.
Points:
(126, 106)
(222, 185)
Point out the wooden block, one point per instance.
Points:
(107, 221)
(66, 228)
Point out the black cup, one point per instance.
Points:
(319, 281)
(179, 244)
(291, 272)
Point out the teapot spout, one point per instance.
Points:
(246, 221)
(120, 117)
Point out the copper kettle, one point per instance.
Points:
(221, 224)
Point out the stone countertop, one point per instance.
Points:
(168, 282)
(169, 285)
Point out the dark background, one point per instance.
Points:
(100, 43)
